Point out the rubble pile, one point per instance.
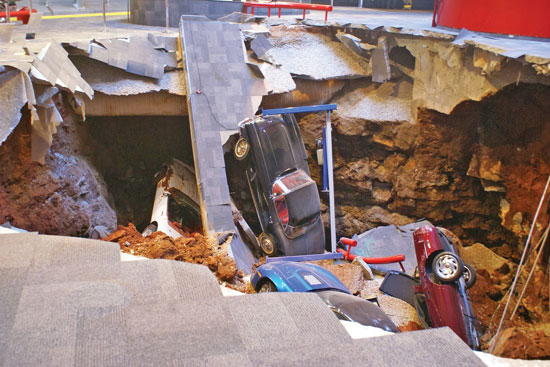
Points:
(195, 248)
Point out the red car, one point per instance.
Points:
(439, 289)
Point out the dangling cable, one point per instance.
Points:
(543, 242)
(519, 266)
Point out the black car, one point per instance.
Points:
(285, 196)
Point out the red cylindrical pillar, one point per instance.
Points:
(517, 17)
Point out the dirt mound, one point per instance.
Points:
(196, 249)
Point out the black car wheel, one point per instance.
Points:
(241, 149)
(267, 286)
(469, 275)
(447, 267)
(149, 229)
(266, 244)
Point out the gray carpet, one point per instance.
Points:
(68, 301)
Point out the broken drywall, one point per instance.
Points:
(47, 64)
(45, 120)
(15, 91)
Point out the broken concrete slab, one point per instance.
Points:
(351, 42)
(260, 45)
(113, 81)
(277, 79)
(374, 102)
(137, 55)
(313, 55)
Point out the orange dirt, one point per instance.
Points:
(195, 248)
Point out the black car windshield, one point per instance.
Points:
(277, 147)
(357, 309)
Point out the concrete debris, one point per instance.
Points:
(277, 79)
(253, 30)
(113, 81)
(487, 61)
(260, 45)
(351, 42)
(313, 55)
(481, 257)
(146, 56)
(377, 102)
(380, 63)
(52, 65)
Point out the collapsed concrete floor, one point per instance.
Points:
(453, 135)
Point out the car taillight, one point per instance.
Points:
(282, 210)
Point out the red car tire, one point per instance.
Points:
(447, 267)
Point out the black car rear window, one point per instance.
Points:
(277, 146)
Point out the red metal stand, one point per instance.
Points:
(280, 5)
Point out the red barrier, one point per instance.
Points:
(369, 260)
(22, 14)
(522, 18)
(277, 5)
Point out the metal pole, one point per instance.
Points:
(30, 5)
(328, 134)
(104, 16)
(7, 4)
(167, 15)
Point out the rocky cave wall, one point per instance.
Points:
(65, 195)
(479, 171)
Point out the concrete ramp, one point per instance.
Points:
(222, 91)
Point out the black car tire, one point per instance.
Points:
(266, 286)
(149, 229)
(447, 267)
(267, 244)
(470, 275)
(241, 149)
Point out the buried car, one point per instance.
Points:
(284, 276)
(439, 290)
(285, 197)
(176, 211)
